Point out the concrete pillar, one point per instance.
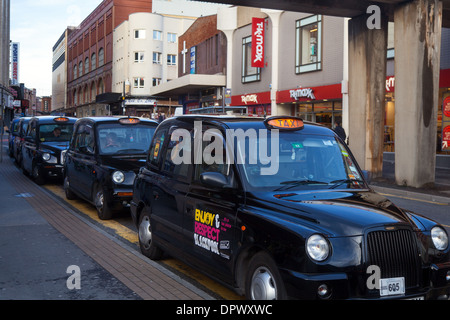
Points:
(274, 16)
(417, 44)
(4, 42)
(227, 23)
(367, 51)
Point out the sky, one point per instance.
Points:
(37, 25)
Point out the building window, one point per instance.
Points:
(139, 34)
(86, 65)
(75, 72)
(171, 60)
(249, 73)
(157, 57)
(139, 56)
(80, 69)
(171, 37)
(157, 35)
(308, 44)
(156, 81)
(94, 61)
(138, 82)
(101, 57)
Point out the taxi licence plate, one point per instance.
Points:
(392, 286)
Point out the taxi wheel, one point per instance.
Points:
(263, 281)
(69, 193)
(103, 210)
(146, 243)
(37, 176)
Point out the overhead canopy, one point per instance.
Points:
(340, 8)
(188, 84)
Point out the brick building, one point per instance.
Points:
(90, 54)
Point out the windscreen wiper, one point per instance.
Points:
(293, 183)
(337, 183)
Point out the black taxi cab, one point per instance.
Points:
(278, 208)
(45, 139)
(103, 158)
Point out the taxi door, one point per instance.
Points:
(167, 184)
(29, 147)
(81, 160)
(209, 220)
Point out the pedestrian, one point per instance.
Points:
(340, 131)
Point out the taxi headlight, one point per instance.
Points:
(118, 177)
(439, 237)
(317, 247)
(46, 156)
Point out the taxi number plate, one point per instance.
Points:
(392, 286)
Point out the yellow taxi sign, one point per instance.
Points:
(284, 123)
(129, 120)
(61, 119)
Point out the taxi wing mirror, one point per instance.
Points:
(215, 179)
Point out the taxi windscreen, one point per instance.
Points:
(114, 138)
(300, 162)
(55, 132)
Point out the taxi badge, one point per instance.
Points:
(284, 123)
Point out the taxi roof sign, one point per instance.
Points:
(284, 123)
(129, 120)
(61, 119)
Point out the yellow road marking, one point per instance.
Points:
(130, 235)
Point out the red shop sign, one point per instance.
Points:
(258, 42)
(446, 138)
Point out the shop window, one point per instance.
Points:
(249, 73)
(308, 44)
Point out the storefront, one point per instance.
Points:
(321, 104)
(443, 121)
(257, 104)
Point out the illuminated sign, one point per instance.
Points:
(129, 120)
(61, 119)
(285, 123)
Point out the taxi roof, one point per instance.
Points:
(246, 122)
(113, 119)
(50, 119)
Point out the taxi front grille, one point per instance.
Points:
(395, 252)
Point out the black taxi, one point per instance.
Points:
(103, 158)
(278, 208)
(45, 139)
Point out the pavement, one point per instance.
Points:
(43, 239)
(47, 249)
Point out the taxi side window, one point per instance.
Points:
(83, 140)
(178, 148)
(32, 131)
(154, 153)
(213, 159)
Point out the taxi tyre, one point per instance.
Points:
(70, 195)
(146, 243)
(104, 211)
(37, 176)
(263, 280)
